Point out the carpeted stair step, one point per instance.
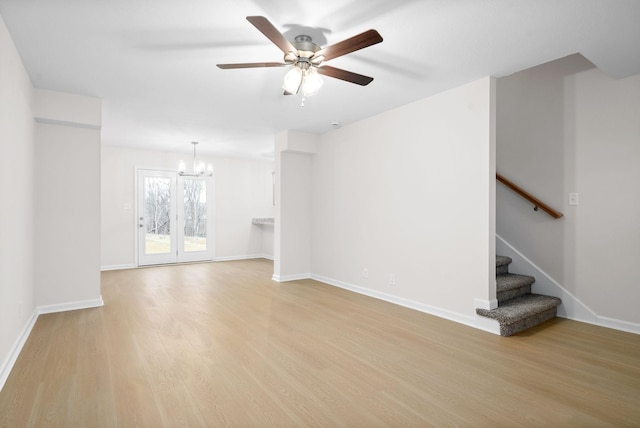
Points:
(502, 264)
(511, 285)
(523, 312)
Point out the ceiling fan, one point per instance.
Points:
(306, 58)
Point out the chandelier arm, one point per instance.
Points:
(205, 172)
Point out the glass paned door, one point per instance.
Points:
(156, 217)
(175, 218)
(195, 209)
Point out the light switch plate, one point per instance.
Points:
(573, 199)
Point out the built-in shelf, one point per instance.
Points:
(263, 220)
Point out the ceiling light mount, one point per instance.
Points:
(199, 169)
(305, 46)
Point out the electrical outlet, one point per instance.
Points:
(392, 279)
(365, 273)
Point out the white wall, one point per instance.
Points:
(49, 221)
(17, 193)
(410, 192)
(268, 240)
(243, 190)
(68, 220)
(565, 127)
(294, 151)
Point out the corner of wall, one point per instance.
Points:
(292, 229)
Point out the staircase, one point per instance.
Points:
(518, 309)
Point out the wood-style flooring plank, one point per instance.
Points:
(221, 344)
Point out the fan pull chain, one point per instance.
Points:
(302, 102)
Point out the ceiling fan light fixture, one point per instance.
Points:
(312, 82)
(302, 77)
(292, 80)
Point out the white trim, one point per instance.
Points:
(171, 256)
(180, 255)
(485, 304)
(242, 257)
(571, 308)
(478, 322)
(71, 306)
(294, 277)
(67, 123)
(487, 324)
(629, 327)
(8, 363)
(217, 259)
(117, 267)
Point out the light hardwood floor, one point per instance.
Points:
(220, 344)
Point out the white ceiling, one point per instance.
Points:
(153, 62)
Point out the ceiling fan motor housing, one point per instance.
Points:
(306, 49)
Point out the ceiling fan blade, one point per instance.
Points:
(352, 44)
(251, 65)
(272, 33)
(345, 75)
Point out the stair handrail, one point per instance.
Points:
(537, 203)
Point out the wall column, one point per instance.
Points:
(292, 240)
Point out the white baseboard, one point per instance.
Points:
(478, 322)
(71, 306)
(485, 304)
(117, 267)
(295, 277)
(243, 257)
(487, 324)
(7, 364)
(615, 324)
(571, 308)
(217, 259)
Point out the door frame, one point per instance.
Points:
(178, 255)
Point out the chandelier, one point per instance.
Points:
(199, 169)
